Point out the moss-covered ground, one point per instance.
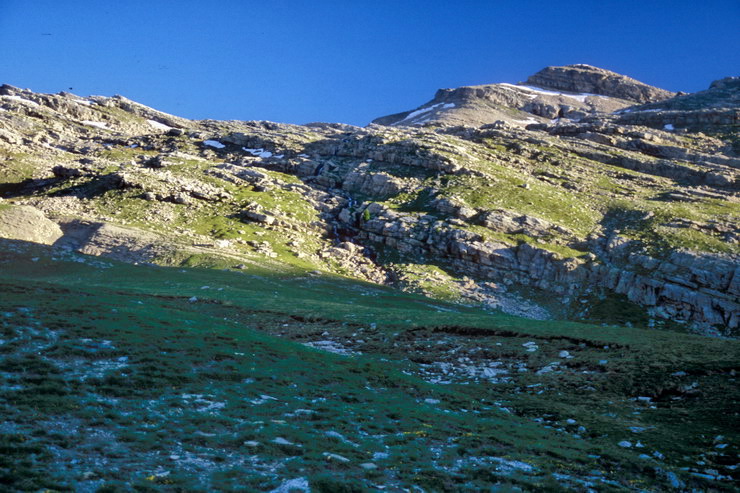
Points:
(122, 377)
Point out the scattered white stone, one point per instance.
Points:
(565, 354)
(432, 401)
(335, 457)
(510, 465)
(193, 299)
(551, 367)
(293, 485)
(252, 444)
(531, 346)
(330, 346)
(570, 421)
(668, 127)
(368, 466)
(303, 412)
(282, 441)
(338, 436)
(625, 444)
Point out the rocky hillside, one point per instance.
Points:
(535, 200)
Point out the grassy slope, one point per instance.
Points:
(118, 367)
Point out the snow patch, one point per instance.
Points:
(20, 100)
(538, 90)
(528, 121)
(422, 111)
(214, 143)
(668, 127)
(260, 153)
(419, 112)
(159, 126)
(91, 123)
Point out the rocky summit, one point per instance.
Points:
(546, 257)
(571, 92)
(587, 79)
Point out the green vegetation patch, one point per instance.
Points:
(200, 379)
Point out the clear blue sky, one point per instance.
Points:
(349, 61)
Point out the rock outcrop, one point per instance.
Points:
(28, 224)
(685, 286)
(583, 78)
(714, 109)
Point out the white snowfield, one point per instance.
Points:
(214, 143)
(538, 90)
(528, 121)
(260, 153)
(85, 102)
(159, 126)
(411, 116)
(20, 100)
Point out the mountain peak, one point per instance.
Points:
(582, 78)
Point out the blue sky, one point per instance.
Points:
(348, 61)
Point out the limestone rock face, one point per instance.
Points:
(714, 109)
(574, 92)
(27, 223)
(587, 79)
(123, 244)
